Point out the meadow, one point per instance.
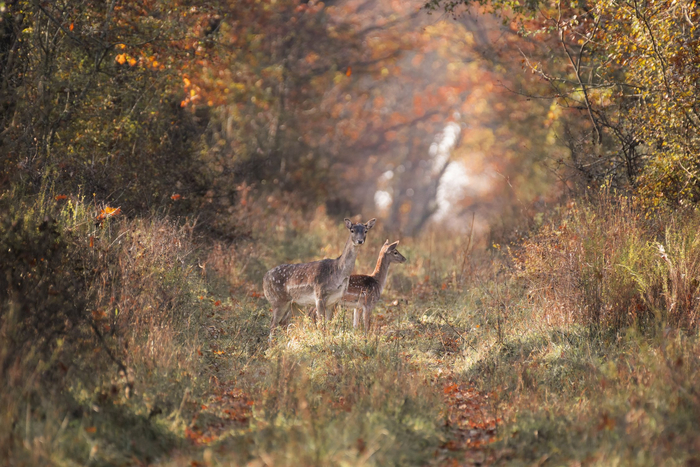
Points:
(147, 344)
(537, 161)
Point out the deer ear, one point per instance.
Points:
(348, 223)
(386, 242)
(370, 223)
(393, 245)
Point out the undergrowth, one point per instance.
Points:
(134, 341)
(100, 320)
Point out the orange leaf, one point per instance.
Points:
(92, 241)
(451, 388)
(121, 59)
(176, 197)
(108, 212)
(61, 197)
(70, 27)
(91, 429)
(217, 303)
(348, 72)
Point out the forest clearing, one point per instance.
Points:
(352, 233)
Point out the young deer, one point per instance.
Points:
(364, 291)
(320, 283)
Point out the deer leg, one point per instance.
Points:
(319, 316)
(322, 311)
(366, 310)
(312, 314)
(287, 314)
(329, 311)
(279, 312)
(355, 317)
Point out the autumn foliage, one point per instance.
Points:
(538, 161)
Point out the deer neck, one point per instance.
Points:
(346, 261)
(381, 270)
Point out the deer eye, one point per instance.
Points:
(352, 230)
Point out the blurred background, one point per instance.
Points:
(369, 107)
(537, 160)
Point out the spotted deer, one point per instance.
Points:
(364, 290)
(319, 283)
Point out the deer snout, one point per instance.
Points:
(360, 242)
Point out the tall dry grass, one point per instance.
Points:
(608, 266)
(100, 323)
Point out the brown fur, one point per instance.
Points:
(320, 283)
(364, 291)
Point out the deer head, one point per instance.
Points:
(391, 253)
(358, 232)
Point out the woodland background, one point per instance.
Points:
(538, 160)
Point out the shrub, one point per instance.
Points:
(99, 326)
(608, 266)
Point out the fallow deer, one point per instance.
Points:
(364, 290)
(319, 283)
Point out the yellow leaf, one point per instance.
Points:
(121, 59)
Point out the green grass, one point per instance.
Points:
(470, 361)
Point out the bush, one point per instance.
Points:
(608, 266)
(99, 328)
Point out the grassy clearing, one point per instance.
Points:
(580, 348)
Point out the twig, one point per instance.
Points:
(576, 65)
(119, 363)
(455, 330)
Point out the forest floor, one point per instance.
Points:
(465, 364)
(259, 408)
